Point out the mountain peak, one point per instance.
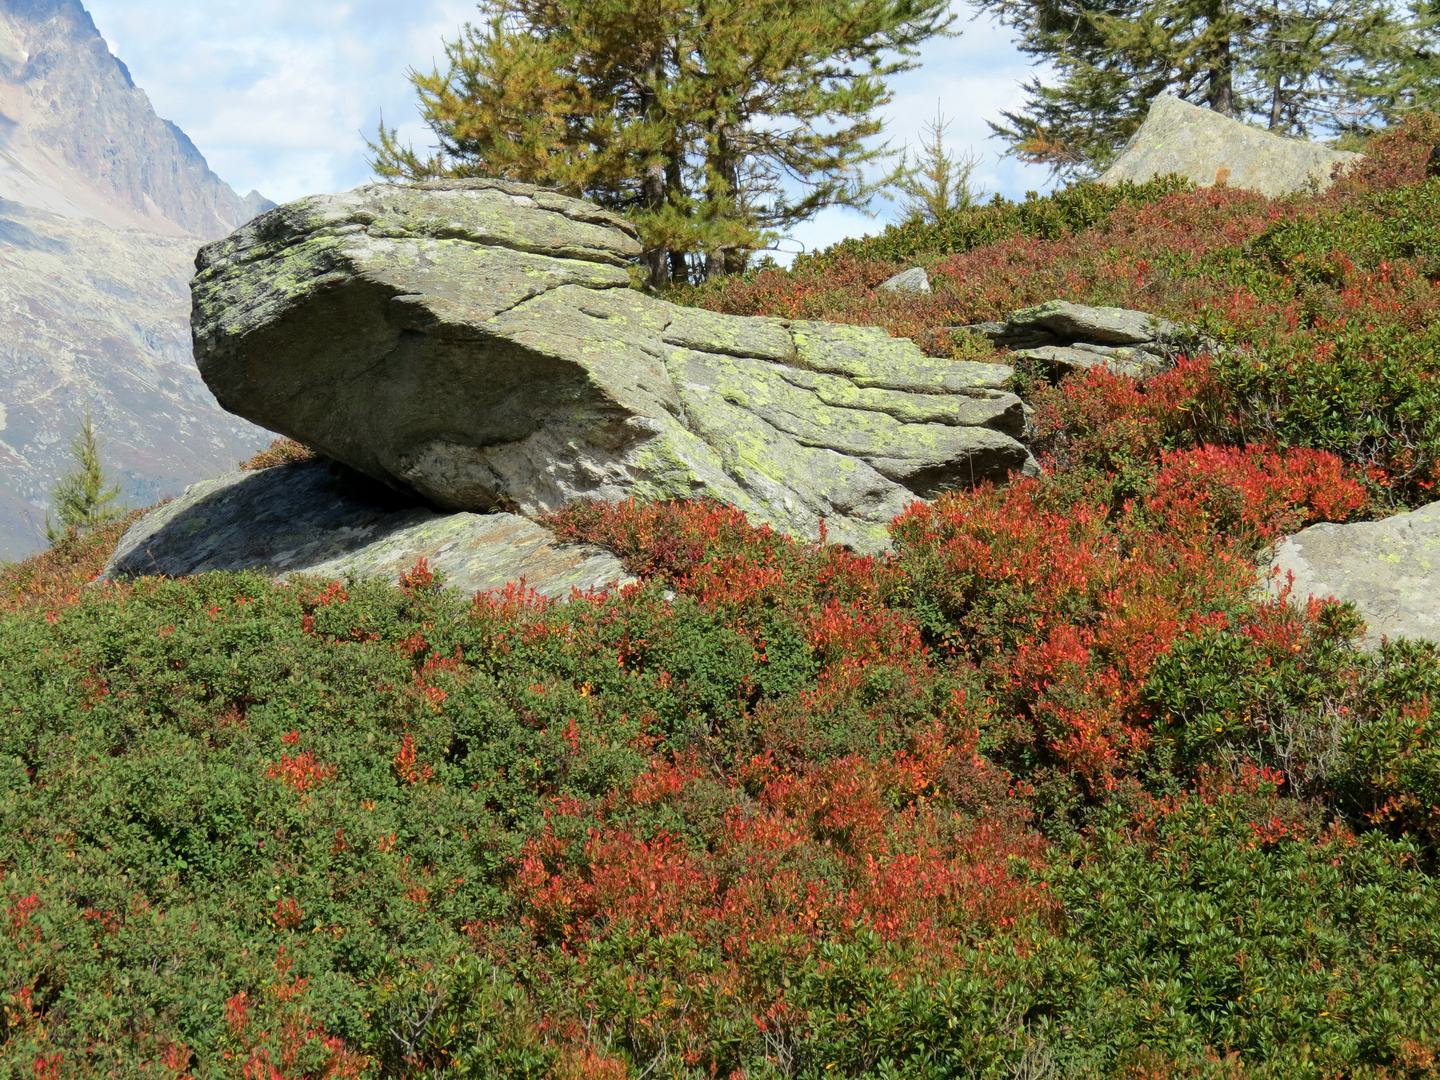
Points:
(80, 139)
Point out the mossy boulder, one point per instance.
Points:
(1389, 569)
(477, 343)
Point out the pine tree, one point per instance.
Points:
(83, 498)
(712, 124)
(938, 183)
(1408, 78)
(1297, 67)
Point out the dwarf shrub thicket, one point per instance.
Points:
(1326, 303)
(1049, 790)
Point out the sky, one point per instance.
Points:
(280, 95)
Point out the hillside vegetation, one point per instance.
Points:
(1049, 792)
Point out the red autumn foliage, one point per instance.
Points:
(418, 577)
(851, 847)
(1255, 494)
(275, 1035)
(303, 772)
(407, 768)
(1068, 606)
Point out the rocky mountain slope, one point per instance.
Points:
(102, 206)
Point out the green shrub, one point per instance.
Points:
(1074, 208)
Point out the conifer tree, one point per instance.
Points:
(1297, 67)
(83, 498)
(938, 183)
(712, 124)
(1408, 78)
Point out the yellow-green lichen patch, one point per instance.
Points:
(871, 358)
(710, 331)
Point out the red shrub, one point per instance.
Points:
(1254, 494)
(303, 772)
(1394, 159)
(1068, 606)
(850, 845)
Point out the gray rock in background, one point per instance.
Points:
(1390, 569)
(316, 518)
(1098, 325)
(477, 343)
(1070, 337)
(1211, 149)
(914, 280)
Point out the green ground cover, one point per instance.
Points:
(1047, 792)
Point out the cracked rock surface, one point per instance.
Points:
(477, 343)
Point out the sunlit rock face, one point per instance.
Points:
(477, 343)
(1389, 569)
(1210, 150)
(102, 206)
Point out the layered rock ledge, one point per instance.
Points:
(477, 343)
(1068, 337)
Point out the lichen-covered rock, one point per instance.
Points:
(1210, 149)
(320, 519)
(476, 342)
(1390, 570)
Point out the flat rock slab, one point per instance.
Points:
(1082, 357)
(476, 343)
(1097, 325)
(1390, 570)
(315, 518)
(1210, 149)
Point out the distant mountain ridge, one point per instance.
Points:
(80, 138)
(102, 207)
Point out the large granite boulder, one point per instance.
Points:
(1211, 149)
(477, 343)
(1390, 569)
(320, 519)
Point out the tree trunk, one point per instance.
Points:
(653, 182)
(675, 182)
(1221, 62)
(1222, 80)
(725, 170)
(656, 260)
(715, 264)
(1279, 46)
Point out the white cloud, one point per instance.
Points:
(280, 95)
